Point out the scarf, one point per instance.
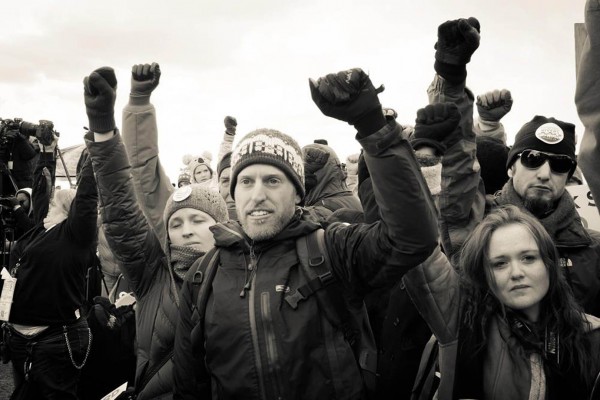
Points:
(563, 223)
(182, 258)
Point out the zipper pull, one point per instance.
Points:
(244, 289)
(250, 267)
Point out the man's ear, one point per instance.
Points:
(298, 199)
(509, 172)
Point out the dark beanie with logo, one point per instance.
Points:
(544, 134)
(268, 146)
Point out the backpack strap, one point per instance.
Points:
(202, 280)
(315, 262)
(314, 258)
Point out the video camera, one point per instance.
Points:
(43, 131)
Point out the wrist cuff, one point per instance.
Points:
(103, 124)
(139, 100)
(450, 72)
(370, 123)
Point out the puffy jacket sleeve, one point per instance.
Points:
(190, 378)
(434, 289)
(151, 183)
(587, 100)
(462, 198)
(134, 243)
(408, 224)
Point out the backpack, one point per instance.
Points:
(345, 313)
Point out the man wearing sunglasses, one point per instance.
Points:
(540, 163)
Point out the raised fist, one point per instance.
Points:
(347, 95)
(99, 92)
(230, 125)
(144, 79)
(436, 126)
(457, 41)
(492, 106)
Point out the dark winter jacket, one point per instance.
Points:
(143, 263)
(256, 346)
(331, 192)
(435, 289)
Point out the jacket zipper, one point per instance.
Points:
(252, 315)
(271, 344)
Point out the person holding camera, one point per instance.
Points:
(47, 334)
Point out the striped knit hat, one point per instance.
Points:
(268, 146)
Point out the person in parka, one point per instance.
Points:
(325, 181)
(154, 274)
(254, 343)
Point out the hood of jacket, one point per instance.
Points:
(330, 179)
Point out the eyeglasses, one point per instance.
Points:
(559, 163)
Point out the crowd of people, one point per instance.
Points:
(440, 262)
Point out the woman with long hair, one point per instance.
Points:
(507, 323)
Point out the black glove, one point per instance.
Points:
(144, 79)
(492, 106)
(436, 126)
(99, 92)
(10, 202)
(230, 125)
(457, 41)
(348, 96)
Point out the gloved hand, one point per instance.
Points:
(348, 96)
(99, 92)
(10, 202)
(230, 125)
(492, 106)
(436, 126)
(144, 79)
(457, 41)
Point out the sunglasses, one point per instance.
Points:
(559, 163)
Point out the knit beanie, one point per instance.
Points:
(224, 163)
(195, 162)
(544, 134)
(184, 178)
(268, 146)
(198, 197)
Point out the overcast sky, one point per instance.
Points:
(252, 59)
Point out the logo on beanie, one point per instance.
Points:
(267, 144)
(182, 193)
(550, 133)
